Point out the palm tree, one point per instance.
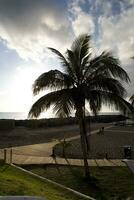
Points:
(95, 80)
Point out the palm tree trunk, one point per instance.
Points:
(89, 131)
(87, 140)
(81, 119)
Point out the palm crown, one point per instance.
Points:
(83, 78)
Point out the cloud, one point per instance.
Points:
(30, 26)
(129, 2)
(2, 93)
(100, 7)
(82, 22)
(117, 34)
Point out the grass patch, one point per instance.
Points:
(15, 182)
(107, 183)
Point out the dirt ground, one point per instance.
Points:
(21, 136)
(28, 143)
(110, 144)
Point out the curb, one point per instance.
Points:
(55, 183)
(20, 198)
(129, 164)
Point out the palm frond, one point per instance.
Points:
(85, 62)
(64, 105)
(80, 49)
(73, 69)
(94, 103)
(80, 46)
(84, 50)
(42, 104)
(60, 56)
(107, 84)
(64, 62)
(113, 101)
(53, 79)
(108, 65)
(132, 100)
(93, 99)
(53, 98)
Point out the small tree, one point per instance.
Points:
(64, 144)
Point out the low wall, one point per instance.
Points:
(6, 124)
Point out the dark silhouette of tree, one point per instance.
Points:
(95, 80)
(131, 114)
(132, 100)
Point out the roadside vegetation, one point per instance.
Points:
(55, 122)
(15, 182)
(106, 183)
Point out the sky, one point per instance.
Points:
(28, 27)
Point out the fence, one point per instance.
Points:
(17, 156)
(6, 155)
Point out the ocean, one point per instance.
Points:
(13, 115)
(24, 115)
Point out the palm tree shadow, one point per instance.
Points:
(56, 163)
(68, 164)
(71, 168)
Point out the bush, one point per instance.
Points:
(53, 122)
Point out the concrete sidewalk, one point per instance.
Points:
(23, 160)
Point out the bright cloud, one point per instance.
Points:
(117, 33)
(83, 24)
(30, 26)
